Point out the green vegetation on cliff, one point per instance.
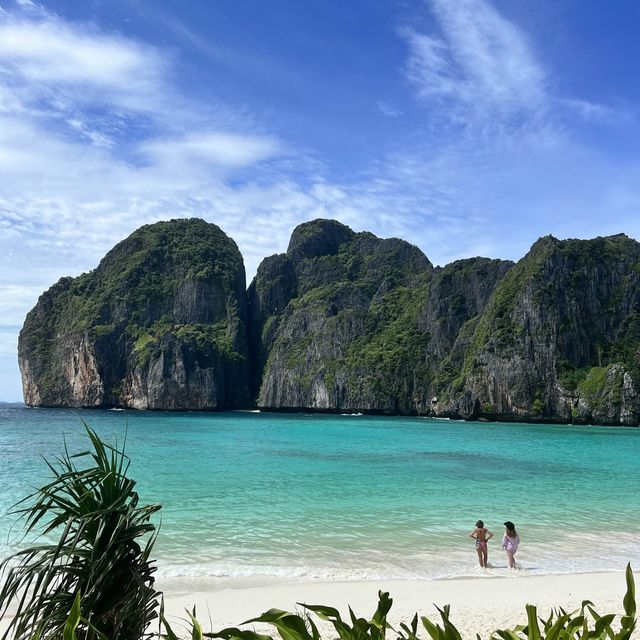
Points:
(143, 273)
(393, 340)
(341, 336)
(367, 326)
(367, 322)
(561, 317)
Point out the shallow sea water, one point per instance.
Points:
(295, 496)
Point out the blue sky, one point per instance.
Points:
(468, 127)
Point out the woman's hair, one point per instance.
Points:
(479, 524)
(512, 533)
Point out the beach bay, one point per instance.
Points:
(266, 510)
(254, 497)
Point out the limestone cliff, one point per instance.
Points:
(351, 322)
(344, 322)
(159, 324)
(559, 339)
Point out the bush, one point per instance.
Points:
(94, 509)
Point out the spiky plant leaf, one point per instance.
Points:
(69, 631)
(196, 628)
(93, 508)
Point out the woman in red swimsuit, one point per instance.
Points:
(481, 536)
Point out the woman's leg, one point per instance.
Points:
(512, 562)
(486, 553)
(479, 551)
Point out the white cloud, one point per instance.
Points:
(16, 298)
(477, 58)
(49, 52)
(10, 379)
(597, 113)
(498, 162)
(389, 109)
(95, 140)
(225, 149)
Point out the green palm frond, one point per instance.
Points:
(103, 551)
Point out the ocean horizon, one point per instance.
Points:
(269, 496)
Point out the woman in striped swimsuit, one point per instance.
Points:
(481, 536)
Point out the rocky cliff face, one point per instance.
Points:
(350, 322)
(559, 339)
(345, 322)
(159, 324)
(312, 309)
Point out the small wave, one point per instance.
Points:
(230, 570)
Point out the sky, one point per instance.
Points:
(467, 127)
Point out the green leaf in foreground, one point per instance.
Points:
(93, 507)
(628, 622)
(69, 632)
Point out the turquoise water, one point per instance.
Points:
(352, 497)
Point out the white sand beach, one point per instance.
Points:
(478, 605)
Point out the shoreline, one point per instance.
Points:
(479, 604)
(532, 419)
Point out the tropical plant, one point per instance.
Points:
(98, 561)
(360, 627)
(561, 625)
(291, 626)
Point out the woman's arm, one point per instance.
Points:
(473, 534)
